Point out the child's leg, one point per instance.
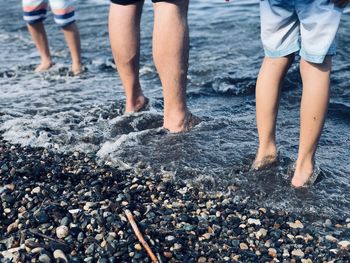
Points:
(37, 31)
(268, 87)
(71, 34)
(314, 103)
(318, 45)
(279, 35)
(64, 15)
(170, 53)
(124, 34)
(34, 12)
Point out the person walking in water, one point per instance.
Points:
(170, 54)
(34, 12)
(288, 26)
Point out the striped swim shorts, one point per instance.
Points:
(35, 11)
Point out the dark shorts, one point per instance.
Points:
(130, 2)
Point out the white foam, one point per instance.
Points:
(126, 140)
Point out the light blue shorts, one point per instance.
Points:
(307, 26)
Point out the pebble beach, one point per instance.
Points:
(75, 171)
(66, 208)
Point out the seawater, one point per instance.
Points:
(84, 113)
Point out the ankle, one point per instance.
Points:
(304, 166)
(135, 102)
(45, 60)
(266, 150)
(175, 120)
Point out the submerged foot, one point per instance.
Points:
(306, 178)
(264, 162)
(44, 66)
(77, 69)
(185, 125)
(140, 104)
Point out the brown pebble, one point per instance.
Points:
(168, 254)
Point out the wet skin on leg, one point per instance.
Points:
(38, 34)
(268, 88)
(72, 36)
(124, 34)
(313, 110)
(170, 54)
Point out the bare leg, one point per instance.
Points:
(124, 34)
(314, 104)
(268, 87)
(71, 34)
(38, 33)
(170, 53)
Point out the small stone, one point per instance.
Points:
(291, 237)
(177, 246)
(62, 232)
(74, 211)
(296, 224)
(262, 210)
(328, 223)
(344, 245)
(65, 221)
(7, 210)
(272, 252)
(286, 253)
(298, 253)
(169, 238)
(252, 221)
(60, 256)
(44, 258)
(202, 260)
(207, 236)
(261, 233)
(168, 254)
(138, 247)
(308, 237)
(334, 251)
(306, 260)
(243, 246)
(331, 238)
(12, 227)
(36, 190)
(88, 206)
(90, 249)
(37, 250)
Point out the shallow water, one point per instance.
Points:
(84, 113)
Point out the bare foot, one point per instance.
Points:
(139, 104)
(305, 179)
(77, 69)
(44, 66)
(186, 125)
(264, 162)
